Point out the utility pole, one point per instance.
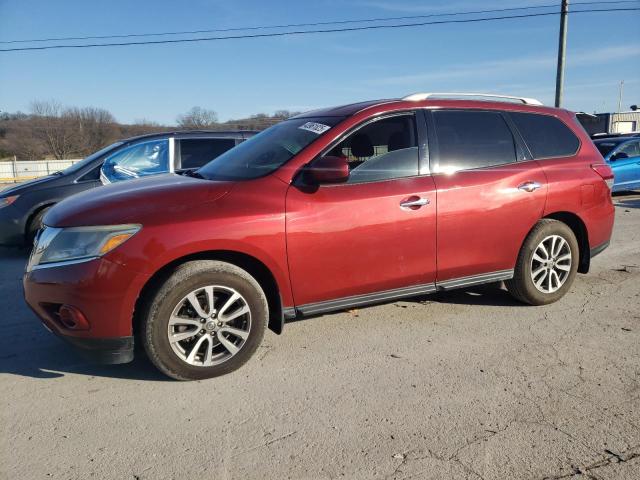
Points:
(620, 96)
(562, 47)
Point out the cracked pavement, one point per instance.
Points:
(463, 385)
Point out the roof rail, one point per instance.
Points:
(416, 97)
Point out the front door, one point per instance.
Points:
(625, 162)
(489, 194)
(374, 233)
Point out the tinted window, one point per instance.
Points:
(269, 150)
(469, 139)
(141, 159)
(546, 136)
(384, 149)
(93, 174)
(605, 147)
(632, 149)
(195, 152)
(76, 167)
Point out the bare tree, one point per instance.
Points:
(283, 114)
(52, 124)
(95, 128)
(198, 117)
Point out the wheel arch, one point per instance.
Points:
(577, 225)
(35, 211)
(250, 264)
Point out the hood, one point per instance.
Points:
(146, 200)
(21, 187)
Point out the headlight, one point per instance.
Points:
(54, 245)
(6, 201)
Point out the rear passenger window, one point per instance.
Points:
(470, 139)
(545, 135)
(195, 152)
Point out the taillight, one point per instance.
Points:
(605, 172)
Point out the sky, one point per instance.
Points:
(237, 78)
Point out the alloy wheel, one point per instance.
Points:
(551, 264)
(209, 325)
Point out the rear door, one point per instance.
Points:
(490, 194)
(375, 233)
(626, 167)
(196, 152)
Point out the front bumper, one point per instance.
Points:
(11, 226)
(104, 292)
(107, 351)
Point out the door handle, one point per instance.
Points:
(419, 202)
(529, 186)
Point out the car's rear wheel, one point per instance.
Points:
(206, 320)
(546, 265)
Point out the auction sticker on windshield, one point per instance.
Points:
(315, 127)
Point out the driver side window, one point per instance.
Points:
(141, 159)
(632, 149)
(382, 150)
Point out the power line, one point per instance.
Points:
(313, 24)
(304, 32)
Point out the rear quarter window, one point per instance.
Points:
(546, 136)
(196, 152)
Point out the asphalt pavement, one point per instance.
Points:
(464, 385)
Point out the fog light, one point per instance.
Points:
(72, 318)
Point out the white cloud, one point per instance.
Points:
(495, 68)
(444, 7)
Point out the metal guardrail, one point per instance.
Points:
(14, 171)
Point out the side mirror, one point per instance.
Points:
(619, 156)
(329, 170)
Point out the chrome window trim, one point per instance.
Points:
(172, 156)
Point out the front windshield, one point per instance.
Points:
(78, 166)
(606, 147)
(267, 151)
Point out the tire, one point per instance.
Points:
(217, 338)
(529, 271)
(34, 225)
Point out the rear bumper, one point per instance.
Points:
(599, 249)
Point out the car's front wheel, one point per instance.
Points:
(206, 320)
(546, 265)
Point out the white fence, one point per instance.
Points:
(21, 170)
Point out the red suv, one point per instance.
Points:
(328, 210)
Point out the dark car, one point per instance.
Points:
(325, 211)
(22, 207)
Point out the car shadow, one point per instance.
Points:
(28, 350)
(492, 294)
(52, 358)
(623, 200)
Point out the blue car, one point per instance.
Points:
(623, 155)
